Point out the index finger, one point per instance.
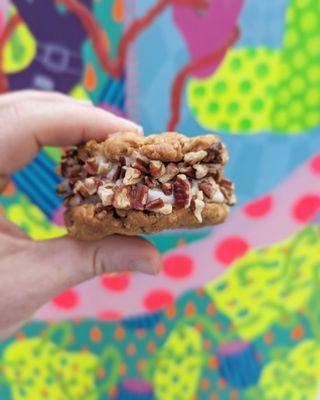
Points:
(27, 126)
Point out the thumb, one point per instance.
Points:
(62, 263)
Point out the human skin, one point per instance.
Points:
(32, 272)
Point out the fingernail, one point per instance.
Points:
(144, 266)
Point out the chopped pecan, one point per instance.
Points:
(114, 173)
(201, 170)
(141, 163)
(158, 206)
(197, 205)
(214, 153)
(227, 189)
(91, 166)
(138, 197)
(157, 169)
(172, 170)
(106, 195)
(213, 168)
(64, 188)
(154, 204)
(85, 188)
(150, 182)
(181, 192)
(195, 156)
(132, 176)
(207, 187)
(121, 198)
(166, 188)
(187, 170)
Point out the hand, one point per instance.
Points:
(32, 272)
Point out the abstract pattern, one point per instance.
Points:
(235, 312)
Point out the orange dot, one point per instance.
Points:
(199, 326)
(90, 78)
(44, 392)
(113, 391)
(119, 333)
(213, 362)
(204, 384)
(171, 311)
(1, 210)
(101, 373)
(218, 326)
(85, 349)
(95, 334)
(140, 333)
(9, 189)
(141, 365)
(214, 396)
(77, 320)
(190, 309)
(211, 309)
(268, 337)
(151, 346)
(122, 369)
(160, 329)
(21, 335)
(234, 394)
(131, 349)
(222, 383)
(297, 332)
(200, 292)
(207, 344)
(118, 10)
(181, 243)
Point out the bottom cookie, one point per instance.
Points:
(84, 223)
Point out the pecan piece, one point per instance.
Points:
(132, 176)
(106, 195)
(207, 187)
(150, 182)
(197, 205)
(157, 169)
(158, 206)
(166, 188)
(91, 166)
(121, 198)
(172, 170)
(139, 197)
(181, 192)
(201, 170)
(86, 188)
(154, 204)
(187, 170)
(195, 156)
(227, 189)
(141, 163)
(114, 173)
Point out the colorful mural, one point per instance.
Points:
(235, 312)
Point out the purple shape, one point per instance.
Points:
(58, 63)
(135, 389)
(233, 347)
(207, 30)
(58, 216)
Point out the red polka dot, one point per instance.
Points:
(109, 315)
(258, 208)
(157, 299)
(230, 248)
(315, 164)
(306, 208)
(116, 283)
(68, 299)
(178, 266)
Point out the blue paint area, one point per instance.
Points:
(262, 23)
(146, 321)
(113, 93)
(240, 369)
(39, 181)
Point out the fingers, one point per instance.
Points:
(28, 125)
(8, 228)
(35, 95)
(61, 263)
